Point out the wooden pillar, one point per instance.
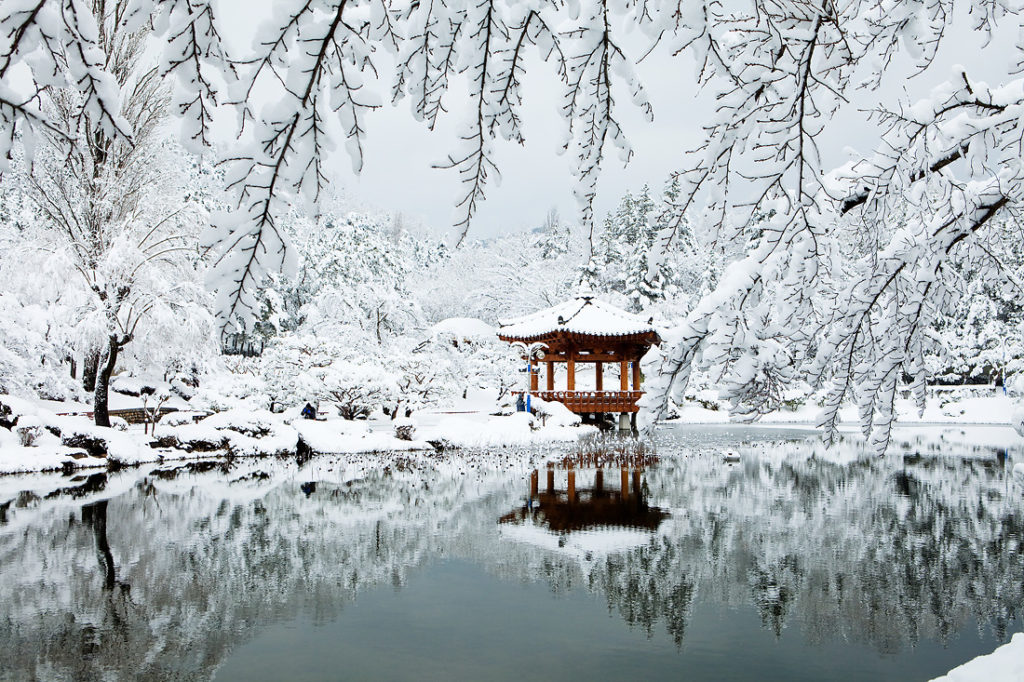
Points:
(636, 375)
(625, 484)
(533, 483)
(572, 486)
(623, 376)
(571, 368)
(599, 375)
(599, 481)
(534, 377)
(551, 376)
(636, 484)
(551, 481)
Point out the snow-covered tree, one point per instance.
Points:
(112, 205)
(797, 306)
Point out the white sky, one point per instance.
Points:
(397, 175)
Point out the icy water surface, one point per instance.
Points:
(794, 563)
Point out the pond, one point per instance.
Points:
(791, 563)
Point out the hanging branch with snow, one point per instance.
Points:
(828, 291)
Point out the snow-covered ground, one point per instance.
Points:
(465, 423)
(946, 406)
(63, 434)
(1005, 664)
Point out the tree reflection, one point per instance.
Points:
(885, 551)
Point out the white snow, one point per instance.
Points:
(464, 329)
(339, 436)
(1005, 664)
(583, 315)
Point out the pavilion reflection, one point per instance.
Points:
(594, 503)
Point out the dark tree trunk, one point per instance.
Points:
(101, 413)
(89, 369)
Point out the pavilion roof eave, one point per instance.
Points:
(647, 337)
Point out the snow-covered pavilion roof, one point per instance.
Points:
(582, 315)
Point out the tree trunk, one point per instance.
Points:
(89, 369)
(101, 414)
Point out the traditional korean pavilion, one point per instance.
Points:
(585, 331)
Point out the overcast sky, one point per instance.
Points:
(399, 152)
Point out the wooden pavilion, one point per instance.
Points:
(586, 330)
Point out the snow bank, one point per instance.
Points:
(488, 432)
(253, 433)
(121, 447)
(339, 437)
(554, 413)
(1005, 664)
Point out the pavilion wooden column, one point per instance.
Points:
(571, 368)
(599, 376)
(534, 376)
(533, 483)
(551, 375)
(624, 489)
(636, 375)
(624, 376)
(571, 488)
(551, 481)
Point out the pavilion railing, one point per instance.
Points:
(593, 401)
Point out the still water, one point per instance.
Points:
(793, 563)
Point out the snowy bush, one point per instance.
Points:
(193, 438)
(118, 423)
(358, 389)
(405, 428)
(252, 433)
(29, 429)
(180, 418)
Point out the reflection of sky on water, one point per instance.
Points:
(162, 575)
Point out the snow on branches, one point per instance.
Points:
(842, 281)
(830, 287)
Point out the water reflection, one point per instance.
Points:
(160, 573)
(581, 507)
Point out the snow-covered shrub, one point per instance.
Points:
(118, 423)
(405, 428)
(252, 433)
(29, 429)
(193, 438)
(255, 424)
(180, 418)
(358, 389)
(32, 361)
(135, 386)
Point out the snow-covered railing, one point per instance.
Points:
(593, 401)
